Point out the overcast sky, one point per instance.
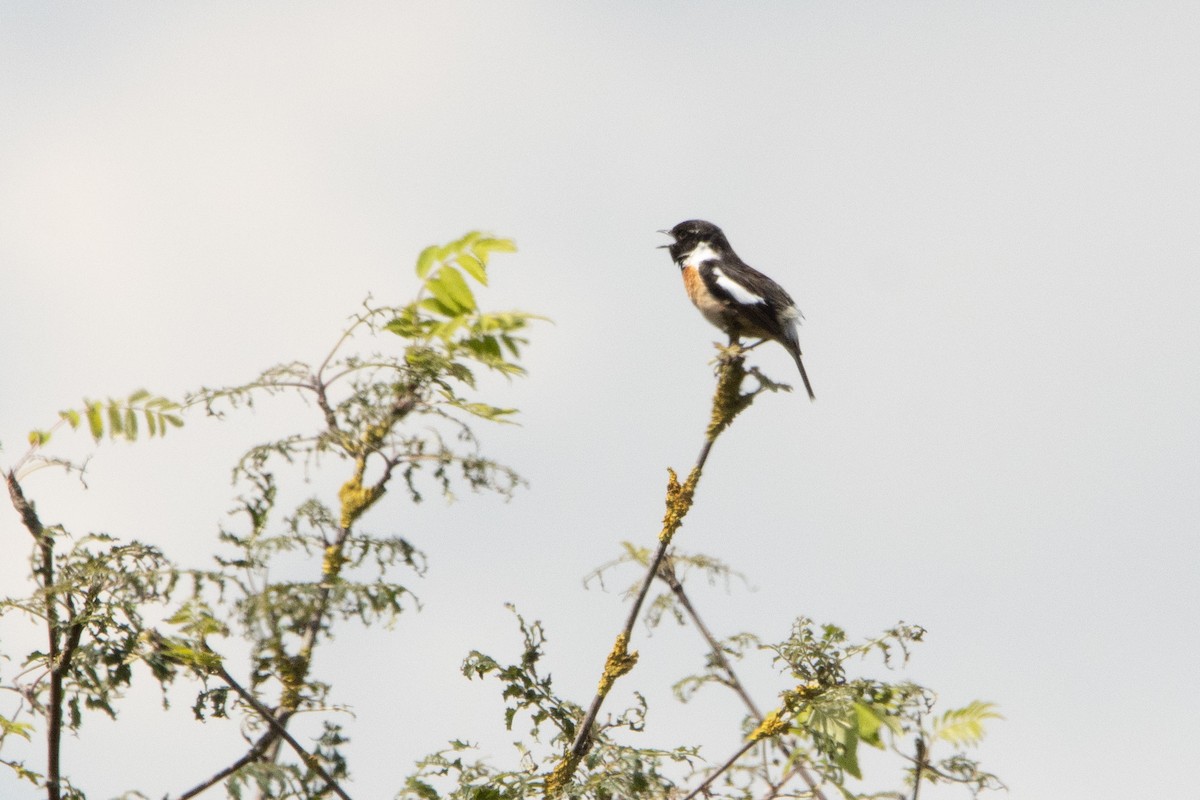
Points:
(988, 213)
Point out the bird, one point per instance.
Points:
(731, 294)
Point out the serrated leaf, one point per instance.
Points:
(427, 260)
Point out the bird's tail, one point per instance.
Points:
(791, 340)
(803, 375)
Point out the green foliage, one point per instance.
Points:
(834, 712)
(387, 418)
(399, 415)
(96, 605)
(964, 726)
(119, 418)
(283, 579)
(288, 781)
(611, 769)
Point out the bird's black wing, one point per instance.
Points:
(752, 298)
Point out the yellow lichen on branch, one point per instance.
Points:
(773, 724)
(619, 662)
(728, 400)
(776, 722)
(558, 779)
(356, 498)
(331, 563)
(679, 501)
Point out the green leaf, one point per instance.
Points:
(21, 729)
(71, 416)
(447, 329)
(427, 260)
(114, 420)
(455, 287)
(871, 721)
(199, 660)
(95, 421)
(131, 424)
(510, 344)
(138, 396)
(422, 790)
(487, 246)
(485, 411)
(406, 325)
(197, 621)
(964, 726)
(474, 266)
(38, 438)
(443, 295)
(847, 755)
(438, 307)
(486, 347)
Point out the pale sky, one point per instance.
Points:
(986, 211)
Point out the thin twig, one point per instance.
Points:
(308, 759)
(583, 736)
(733, 760)
(728, 402)
(253, 754)
(920, 763)
(667, 574)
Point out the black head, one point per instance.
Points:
(692, 233)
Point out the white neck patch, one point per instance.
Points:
(700, 253)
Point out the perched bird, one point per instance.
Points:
(730, 293)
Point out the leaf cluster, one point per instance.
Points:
(610, 770)
(120, 419)
(398, 414)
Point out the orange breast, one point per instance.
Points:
(694, 284)
(713, 309)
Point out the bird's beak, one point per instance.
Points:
(668, 244)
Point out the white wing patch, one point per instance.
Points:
(738, 292)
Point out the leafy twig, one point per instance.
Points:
(308, 759)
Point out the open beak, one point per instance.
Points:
(668, 244)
